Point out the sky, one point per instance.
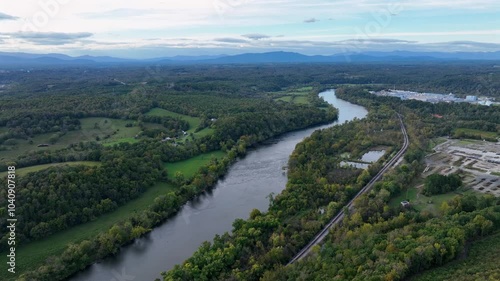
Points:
(156, 28)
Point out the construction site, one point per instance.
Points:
(477, 161)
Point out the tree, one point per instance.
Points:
(179, 178)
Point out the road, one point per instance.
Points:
(338, 218)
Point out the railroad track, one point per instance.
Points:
(322, 234)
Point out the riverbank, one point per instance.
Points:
(246, 186)
(318, 187)
(138, 224)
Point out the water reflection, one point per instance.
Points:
(246, 186)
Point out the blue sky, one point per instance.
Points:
(152, 28)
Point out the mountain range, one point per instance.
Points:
(13, 59)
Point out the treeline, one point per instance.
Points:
(466, 78)
(478, 262)
(26, 125)
(389, 245)
(454, 115)
(82, 151)
(270, 123)
(439, 184)
(380, 242)
(318, 188)
(242, 111)
(78, 256)
(56, 199)
(157, 152)
(28, 116)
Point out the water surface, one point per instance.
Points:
(246, 186)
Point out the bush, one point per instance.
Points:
(439, 184)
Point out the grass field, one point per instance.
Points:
(437, 141)
(298, 96)
(294, 98)
(129, 140)
(204, 132)
(25, 171)
(285, 98)
(481, 263)
(466, 141)
(194, 122)
(191, 166)
(34, 254)
(420, 202)
(109, 131)
(478, 133)
(301, 100)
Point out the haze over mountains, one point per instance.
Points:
(27, 59)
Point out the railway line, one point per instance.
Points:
(338, 218)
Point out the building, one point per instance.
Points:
(471, 98)
(405, 204)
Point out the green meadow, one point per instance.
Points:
(35, 253)
(106, 131)
(298, 95)
(421, 202)
(194, 122)
(32, 255)
(476, 133)
(190, 166)
(25, 171)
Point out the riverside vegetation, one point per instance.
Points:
(376, 241)
(62, 197)
(133, 130)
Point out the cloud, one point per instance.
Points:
(311, 20)
(378, 41)
(120, 13)
(230, 40)
(470, 44)
(256, 36)
(49, 38)
(7, 17)
(463, 46)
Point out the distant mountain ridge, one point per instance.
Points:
(26, 59)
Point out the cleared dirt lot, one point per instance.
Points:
(479, 161)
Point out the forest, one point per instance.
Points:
(192, 121)
(167, 114)
(377, 241)
(316, 180)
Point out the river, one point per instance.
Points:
(246, 186)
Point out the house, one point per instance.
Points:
(405, 204)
